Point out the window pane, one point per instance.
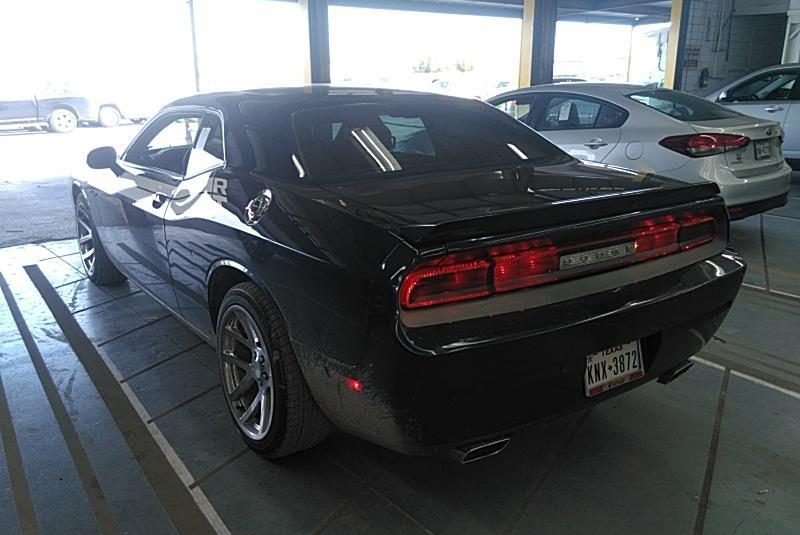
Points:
(386, 139)
(771, 87)
(682, 106)
(166, 144)
(564, 113)
(244, 44)
(424, 51)
(519, 109)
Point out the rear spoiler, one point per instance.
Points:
(557, 213)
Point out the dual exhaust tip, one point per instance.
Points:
(480, 450)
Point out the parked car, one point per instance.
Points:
(771, 94)
(419, 270)
(58, 113)
(661, 131)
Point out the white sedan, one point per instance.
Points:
(661, 131)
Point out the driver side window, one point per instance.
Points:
(166, 144)
(767, 87)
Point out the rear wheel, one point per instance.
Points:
(264, 388)
(108, 116)
(96, 264)
(62, 121)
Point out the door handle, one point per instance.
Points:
(773, 109)
(595, 143)
(158, 200)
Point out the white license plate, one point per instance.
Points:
(763, 149)
(613, 367)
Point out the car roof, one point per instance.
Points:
(583, 88)
(308, 94)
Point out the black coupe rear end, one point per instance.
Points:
(421, 271)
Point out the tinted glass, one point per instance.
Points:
(682, 106)
(384, 140)
(773, 86)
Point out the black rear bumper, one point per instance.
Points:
(746, 210)
(419, 404)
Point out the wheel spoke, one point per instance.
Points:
(85, 239)
(262, 418)
(246, 383)
(231, 358)
(239, 338)
(88, 254)
(257, 401)
(85, 225)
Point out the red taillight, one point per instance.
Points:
(504, 268)
(698, 145)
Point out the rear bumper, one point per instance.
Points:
(740, 191)
(419, 404)
(746, 210)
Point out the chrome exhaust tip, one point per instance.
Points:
(481, 450)
(675, 372)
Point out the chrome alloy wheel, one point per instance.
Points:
(86, 239)
(246, 372)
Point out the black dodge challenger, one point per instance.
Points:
(422, 271)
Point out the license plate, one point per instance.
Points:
(763, 149)
(613, 367)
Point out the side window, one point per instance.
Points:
(166, 144)
(209, 138)
(568, 113)
(518, 108)
(772, 86)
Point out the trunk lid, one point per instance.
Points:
(762, 155)
(435, 209)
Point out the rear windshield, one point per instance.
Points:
(682, 106)
(387, 140)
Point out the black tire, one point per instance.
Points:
(62, 121)
(108, 116)
(96, 264)
(296, 422)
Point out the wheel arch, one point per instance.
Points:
(224, 275)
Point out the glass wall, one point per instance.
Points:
(245, 44)
(462, 55)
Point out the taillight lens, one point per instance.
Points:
(699, 145)
(504, 268)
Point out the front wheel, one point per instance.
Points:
(62, 121)
(96, 264)
(264, 388)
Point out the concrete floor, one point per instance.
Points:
(126, 431)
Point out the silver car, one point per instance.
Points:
(661, 131)
(771, 93)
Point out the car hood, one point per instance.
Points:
(467, 204)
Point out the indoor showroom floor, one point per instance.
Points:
(112, 422)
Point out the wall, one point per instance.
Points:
(731, 38)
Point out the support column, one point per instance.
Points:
(538, 42)
(791, 43)
(673, 70)
(319, 69)
(194, 47)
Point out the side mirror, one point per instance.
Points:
(102, 158)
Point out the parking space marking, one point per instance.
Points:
(26, 514)
(771, 291)
(746, 376)
(102, 513)
(158, 460)
(702, 506)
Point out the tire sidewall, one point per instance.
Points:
(51, 123)
(237, 296)
(109, 109)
